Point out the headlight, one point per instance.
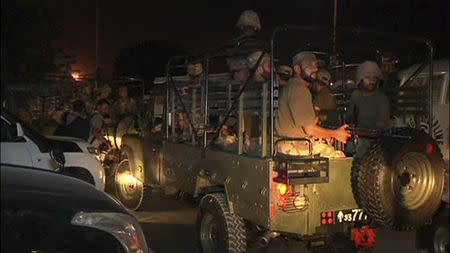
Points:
(125, 228)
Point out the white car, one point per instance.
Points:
(21, 145)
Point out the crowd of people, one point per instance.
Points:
(92, 113)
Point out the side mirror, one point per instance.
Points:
(58, 157)
(19, 130)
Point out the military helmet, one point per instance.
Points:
(323, 76)
(368, 69)
(249, 18)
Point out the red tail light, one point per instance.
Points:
(430, 148)
(282, 189)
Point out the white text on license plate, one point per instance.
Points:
(350, 215)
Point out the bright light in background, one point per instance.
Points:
(76, 76)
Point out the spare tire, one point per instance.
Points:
(401, 180)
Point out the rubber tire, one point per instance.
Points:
(438, 229)
(354, 177)
(143, 192)
(376, 181)
(79, 173)
(230, 227)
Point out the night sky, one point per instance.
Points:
(196, 24)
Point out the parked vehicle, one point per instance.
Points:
(434, 237)
(21, 145)
(44, 211)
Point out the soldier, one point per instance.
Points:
(103, 92)
(97, 124)
(369, 107)
(296, 116)
(262, 71)
(324, 101)
(253, 96)
(239, 69)
(247, 40)
(87, 96)
(74, 123)
(391, 83)
(194, 72)
(125, 105)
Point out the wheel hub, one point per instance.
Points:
(404, 179)
(413, 180)
(127, 185)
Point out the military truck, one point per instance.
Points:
(248, 189)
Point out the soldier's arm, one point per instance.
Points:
(339, 134)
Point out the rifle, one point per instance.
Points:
(370, 133)
(365, 132)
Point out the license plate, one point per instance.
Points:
(343, 216)
(351, 215)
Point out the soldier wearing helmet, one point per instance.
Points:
(296, 116)
(324, 102)
(194, 71)
(368, 107)
(248, 23)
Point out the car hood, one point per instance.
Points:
(30, 188)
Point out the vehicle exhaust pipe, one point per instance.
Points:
(265, 239)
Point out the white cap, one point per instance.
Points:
(368, 69)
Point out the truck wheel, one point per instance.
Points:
(354, 177)
(435, 237)
(218, 229)
(401, 181)
(131, 192)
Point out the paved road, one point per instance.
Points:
(169, 226)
